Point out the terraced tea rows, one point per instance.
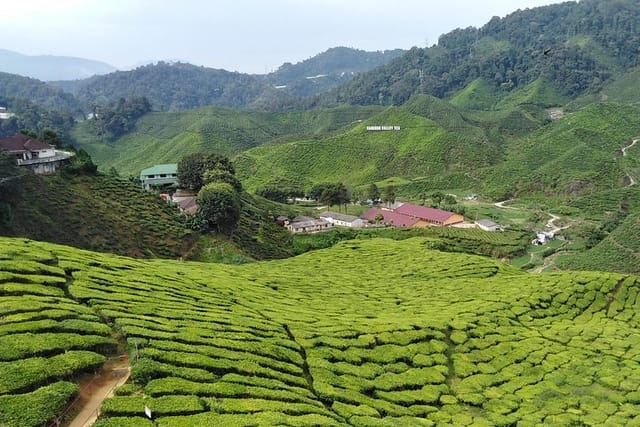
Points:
(368, 333)
(46, 338)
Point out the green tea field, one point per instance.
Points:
(372, 332)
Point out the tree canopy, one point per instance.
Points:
(219, 204)
(192, 168)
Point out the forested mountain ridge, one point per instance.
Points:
(575, 46)
(326, 70)
(181, 86)
(14, 87)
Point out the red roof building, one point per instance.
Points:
(430, 215)
(24, 146)
(40, 157)
(390, 218)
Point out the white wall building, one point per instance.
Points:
(343, 220)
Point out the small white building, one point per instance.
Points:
(542, 237)
(5, 114)
(305, 224)
(487, 225)
(343, 220)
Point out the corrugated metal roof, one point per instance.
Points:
(392, 218)
(425, 213)
(486, 223)
(165, 169)
(19, 143)
(338, 216)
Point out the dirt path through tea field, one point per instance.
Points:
(96, 388)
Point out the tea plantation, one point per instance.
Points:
(372, 332)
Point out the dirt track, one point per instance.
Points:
(96, 388)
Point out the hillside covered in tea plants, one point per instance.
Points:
(367, 333)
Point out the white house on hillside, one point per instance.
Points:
(305, 224)
(40, 157)
(159, 176)
(343, 220)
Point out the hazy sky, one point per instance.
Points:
(253, 36)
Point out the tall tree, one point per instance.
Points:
(373, 193)
(219, 204)
(335, 194)
(389, 195)
(192, 168)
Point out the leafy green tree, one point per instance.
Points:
(317, 189)
(450, 199)
(373, 193)
(221, 175)
(389, 195)
(49, 136)
(190, 170)
(437, 197)
(273, 193)
(335, 194)
(118, 118)
(192, 167)
(219, 204)
(28, 132)
(80, 164)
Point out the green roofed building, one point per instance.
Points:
(159, 176)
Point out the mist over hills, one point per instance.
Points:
(51, 67)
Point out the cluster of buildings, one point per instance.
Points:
(40, 157)
(399, 215)
(402, 215)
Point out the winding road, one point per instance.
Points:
(554, 228)
(624, 150)
(502, 206)
(632, 180)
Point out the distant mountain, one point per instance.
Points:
(49, 67)
(181, 86)
(575, 46)
(175, 86)
(328, 69)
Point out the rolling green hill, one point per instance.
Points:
(108, 213)
(166, 137)
(477, 95)
(101, 213)
(618, 251)
(368, 333)
(434, 139)
(573, 156)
